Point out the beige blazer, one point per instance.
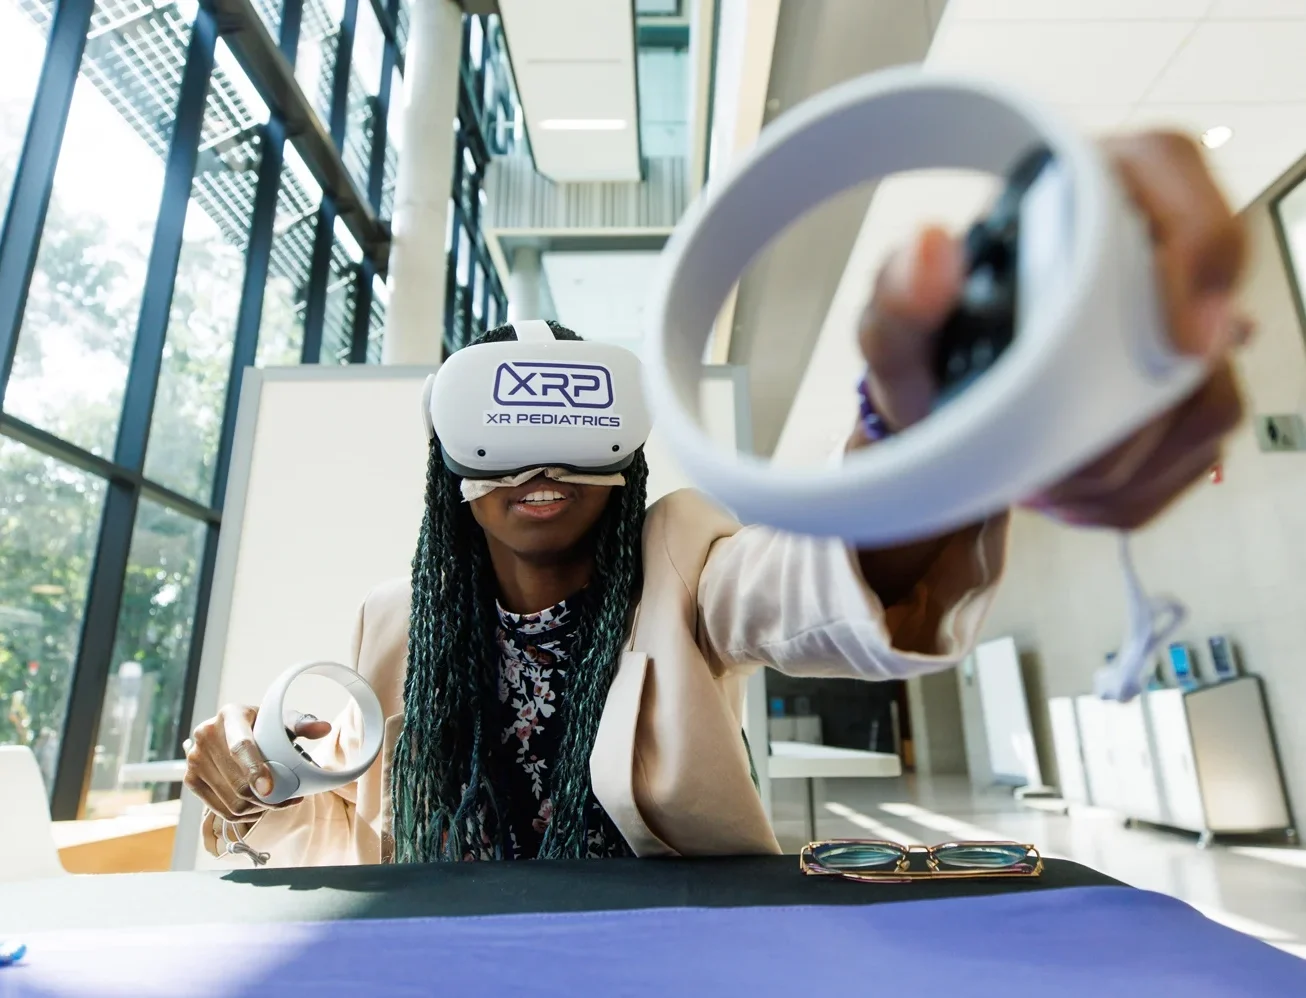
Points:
(669, 764)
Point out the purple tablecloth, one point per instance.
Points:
(1098, 941)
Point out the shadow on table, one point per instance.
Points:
(460, 889)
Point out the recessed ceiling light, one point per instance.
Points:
(1216, 136)
(583, 124)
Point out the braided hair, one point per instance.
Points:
(444, 772)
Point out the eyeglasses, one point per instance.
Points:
(890, 862)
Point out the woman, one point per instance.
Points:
(563, 676)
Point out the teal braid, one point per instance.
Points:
(443, 775)
(600, 639)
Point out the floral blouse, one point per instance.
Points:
(535, 651)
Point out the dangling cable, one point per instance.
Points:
(1150, 622)
(235, 845)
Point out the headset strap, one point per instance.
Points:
(533, 331)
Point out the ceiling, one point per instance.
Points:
(574, 63)
(1109, 65)
(1131, 64)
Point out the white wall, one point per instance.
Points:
(718, 407)
(1235, 552)
(826, 404)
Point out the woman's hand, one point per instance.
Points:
(1200, 253)
(224, 765)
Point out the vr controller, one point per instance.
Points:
(1056, 352)
(294, 773)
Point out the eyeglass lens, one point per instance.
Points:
(857, 855)
(981, 856)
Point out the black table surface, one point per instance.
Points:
(324, 893)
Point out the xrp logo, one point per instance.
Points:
(540, 384)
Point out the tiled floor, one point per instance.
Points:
(1261, 891)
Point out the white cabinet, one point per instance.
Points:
(1071, 777)
(1175, 765)
(1140, 790)
(1201, 760)
(1096, 742)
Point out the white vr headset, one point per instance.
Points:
(502, 408)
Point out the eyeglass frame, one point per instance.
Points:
(902, 872)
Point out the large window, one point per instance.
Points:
(84, 299)
(1290, 217)
(342, 283)
(205, 304)
(365, 74)
(21, 43)
(184, 240)
(315, 60)
(473, 295)
(142, 704)
(285, 298)
(664, 101)
(49, 516)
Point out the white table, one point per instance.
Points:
(799, 760)
(158, 771)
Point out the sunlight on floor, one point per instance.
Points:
(1253, 890)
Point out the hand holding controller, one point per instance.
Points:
(244, 761)
(225, 768)
(1102, 341)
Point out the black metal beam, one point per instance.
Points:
(381, 125)
(387, 15)
(270, 70)
(208, 561)
(29, 199)
(244, 348)
(339, 119)
(74, 456)
(292, 16)
(319, 276)
(81, 727)
(362, 314)
(94, 663)
(161, 273)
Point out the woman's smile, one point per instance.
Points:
(539, 501)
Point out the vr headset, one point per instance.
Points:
(503, 408)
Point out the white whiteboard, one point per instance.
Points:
(324, 502)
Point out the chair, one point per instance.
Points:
(27, 849)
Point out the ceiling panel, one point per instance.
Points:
(1259, 61)
(1096, 119)
(1065, 62)
(574, 62)
(1081, 10)
(1246, 10)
